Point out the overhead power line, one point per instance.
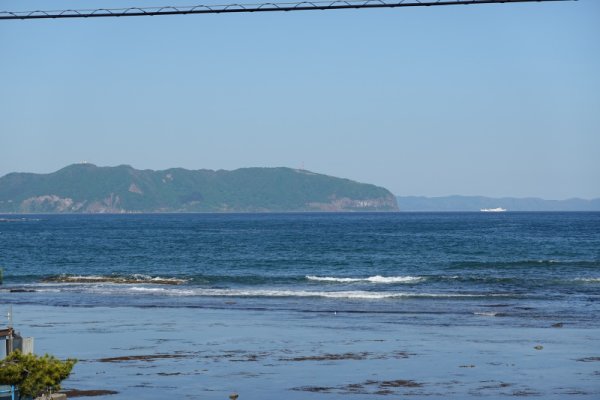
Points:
(244, 8)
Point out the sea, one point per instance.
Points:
(311, 305)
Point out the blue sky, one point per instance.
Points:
(497, 100)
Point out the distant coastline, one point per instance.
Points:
(88, 189)
(477, 203)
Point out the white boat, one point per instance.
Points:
(498, 209)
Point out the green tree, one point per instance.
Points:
(34, 375)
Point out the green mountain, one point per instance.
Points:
(86, 188)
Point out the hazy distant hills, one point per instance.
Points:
(475, 203)
(86, 188)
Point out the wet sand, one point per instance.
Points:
(157, 353)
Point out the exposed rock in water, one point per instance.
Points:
(314, 389)
(132, 279)
(87, 393)
(395, 383)
(147, 358)
(330, 357)
(589, 359)
(368, 387)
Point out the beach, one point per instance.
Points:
(157, 353)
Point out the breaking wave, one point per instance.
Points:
(489, 314)
(348, 294)
(588, 280)
(371, 279)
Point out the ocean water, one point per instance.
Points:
(312, 305)
(533, 268)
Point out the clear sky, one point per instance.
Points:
(496, 100)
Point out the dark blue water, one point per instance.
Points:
(524, 268)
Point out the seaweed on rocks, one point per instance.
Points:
(147, 358)
(87, 393)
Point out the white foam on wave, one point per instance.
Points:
(593, 280)
(160, 279)
(347, 294)
(177, 292)
(147, 289)
(486, 314)
(43, 289)
(68, 278)
(371, 279)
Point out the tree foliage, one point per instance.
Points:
(34, 375)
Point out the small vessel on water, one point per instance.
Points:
(497, 209)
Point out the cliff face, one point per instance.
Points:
(86, 188)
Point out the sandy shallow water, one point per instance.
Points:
(195, 353)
